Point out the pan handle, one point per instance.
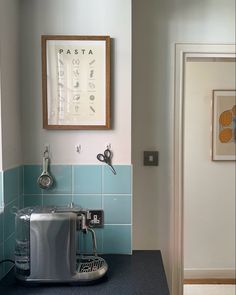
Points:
(45, 165)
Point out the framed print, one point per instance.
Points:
(224, 125)
(76, 82)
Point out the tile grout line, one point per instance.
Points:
(72, 164)
(118, 224)
(42, 193)
(102, 180)
(18, 186)
(102, 190)
(81, 194)
(2, 194)
(72, 183)
(23, 185)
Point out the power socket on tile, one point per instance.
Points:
(95, 218)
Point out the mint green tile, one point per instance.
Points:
(21, 201)
(117, 239)
(11, 184)
(9, 249)
(9, 219)
(1, 190)
(88, 201)
(21, 178)
(56, 200)
(62, 177)
(1, 225)
(117, 209)
(2, 272)
(85, 242)
(119, 183)
(32, 200)
(31, 174)
(87, 179)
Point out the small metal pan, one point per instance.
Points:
(45, 180)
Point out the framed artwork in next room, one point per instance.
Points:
(76, 82)
(224, 125)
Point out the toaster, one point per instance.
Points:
(47, 248)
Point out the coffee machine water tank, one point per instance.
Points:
(22, 243)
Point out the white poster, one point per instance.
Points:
(77, 93)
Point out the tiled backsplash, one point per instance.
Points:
(10, 196)
(90, 186)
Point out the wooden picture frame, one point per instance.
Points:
(224, 125)
(76, 82)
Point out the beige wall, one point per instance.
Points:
(9, 84)
(209, 186)
(76, 17)
(157, 26)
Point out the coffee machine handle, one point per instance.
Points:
(94, 241)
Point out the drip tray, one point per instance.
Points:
(90, 264)
(91, 268)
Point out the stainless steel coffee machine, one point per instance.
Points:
(46, 247)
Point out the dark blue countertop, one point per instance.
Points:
(139, 274)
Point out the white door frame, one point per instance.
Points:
(182, 51)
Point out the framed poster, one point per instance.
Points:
(76, 82)
(224, 125)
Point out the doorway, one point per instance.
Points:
(185, 52)
(208, 186)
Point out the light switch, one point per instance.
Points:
(150, 158)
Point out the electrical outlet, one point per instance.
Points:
(95, 218)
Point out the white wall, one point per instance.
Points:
(209, 187)
(77, 17)
(157, 26)
(9, 74)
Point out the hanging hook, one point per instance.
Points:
(46, 152)
(78, 148)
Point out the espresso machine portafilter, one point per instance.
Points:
(47, 250)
